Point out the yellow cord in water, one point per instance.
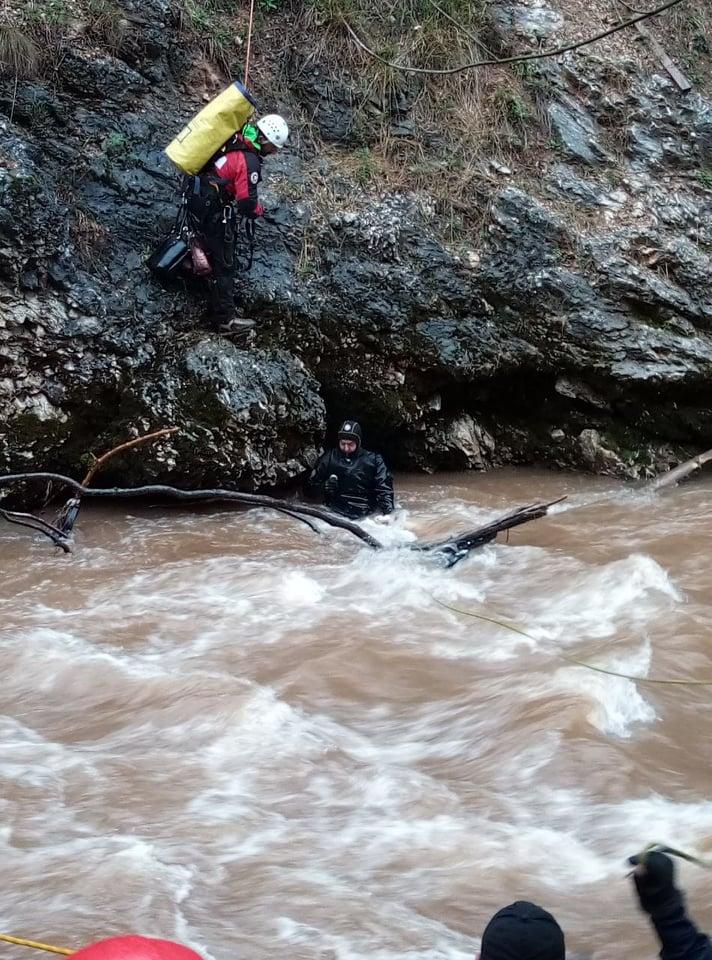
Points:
(37, 946)
(574, 660)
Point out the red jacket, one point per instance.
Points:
(241, 169)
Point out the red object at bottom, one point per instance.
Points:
(136, 948)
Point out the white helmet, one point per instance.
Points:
(274, 128)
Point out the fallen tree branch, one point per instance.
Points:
(295, 516)
(69, 513)
(198, 496)
(100, 461)
(659, 51)
(39, 525)
(455, 548)
(448, 551)
(445, 71)
(680, 472)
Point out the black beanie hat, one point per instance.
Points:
(523, 931)
(350, 430)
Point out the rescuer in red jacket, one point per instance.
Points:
(230, 191)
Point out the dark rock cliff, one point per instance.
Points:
(571, 328)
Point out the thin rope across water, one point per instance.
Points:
(567, 657)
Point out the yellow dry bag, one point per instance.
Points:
(211, 128)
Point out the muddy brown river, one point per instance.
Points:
(221, 728)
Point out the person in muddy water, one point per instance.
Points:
(524, 931)
(350, 480)
(228, 191)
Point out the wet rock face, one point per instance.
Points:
(578, 132)
(461, 444)
(344, 112)
(245, 413)
(332, 108)
(574, 330)
(534, 20)
(92, 350)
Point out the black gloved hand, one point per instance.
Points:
(332, 485)
(655, 882)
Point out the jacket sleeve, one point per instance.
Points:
(314, 484)
(679, 937)
(383, 486)
(246, 188)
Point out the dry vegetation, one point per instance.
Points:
(19, 53)
(687, 33)
(90, 237)
(454, 124)
(433, 133)
(215, 30)
(463, 121)
(33, 33)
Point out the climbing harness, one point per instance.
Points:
(35, 944)
(201, 199)
(228, 219)
(249, 229)
(565, 656)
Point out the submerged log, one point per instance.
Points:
(453, 549)
(31, 522)
(447, 551)
(198, 496)
(682, 471)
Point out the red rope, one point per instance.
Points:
(249, 41)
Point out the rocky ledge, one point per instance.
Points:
(573, 329)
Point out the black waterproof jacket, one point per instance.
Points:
(679, 937)
(365, 485)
